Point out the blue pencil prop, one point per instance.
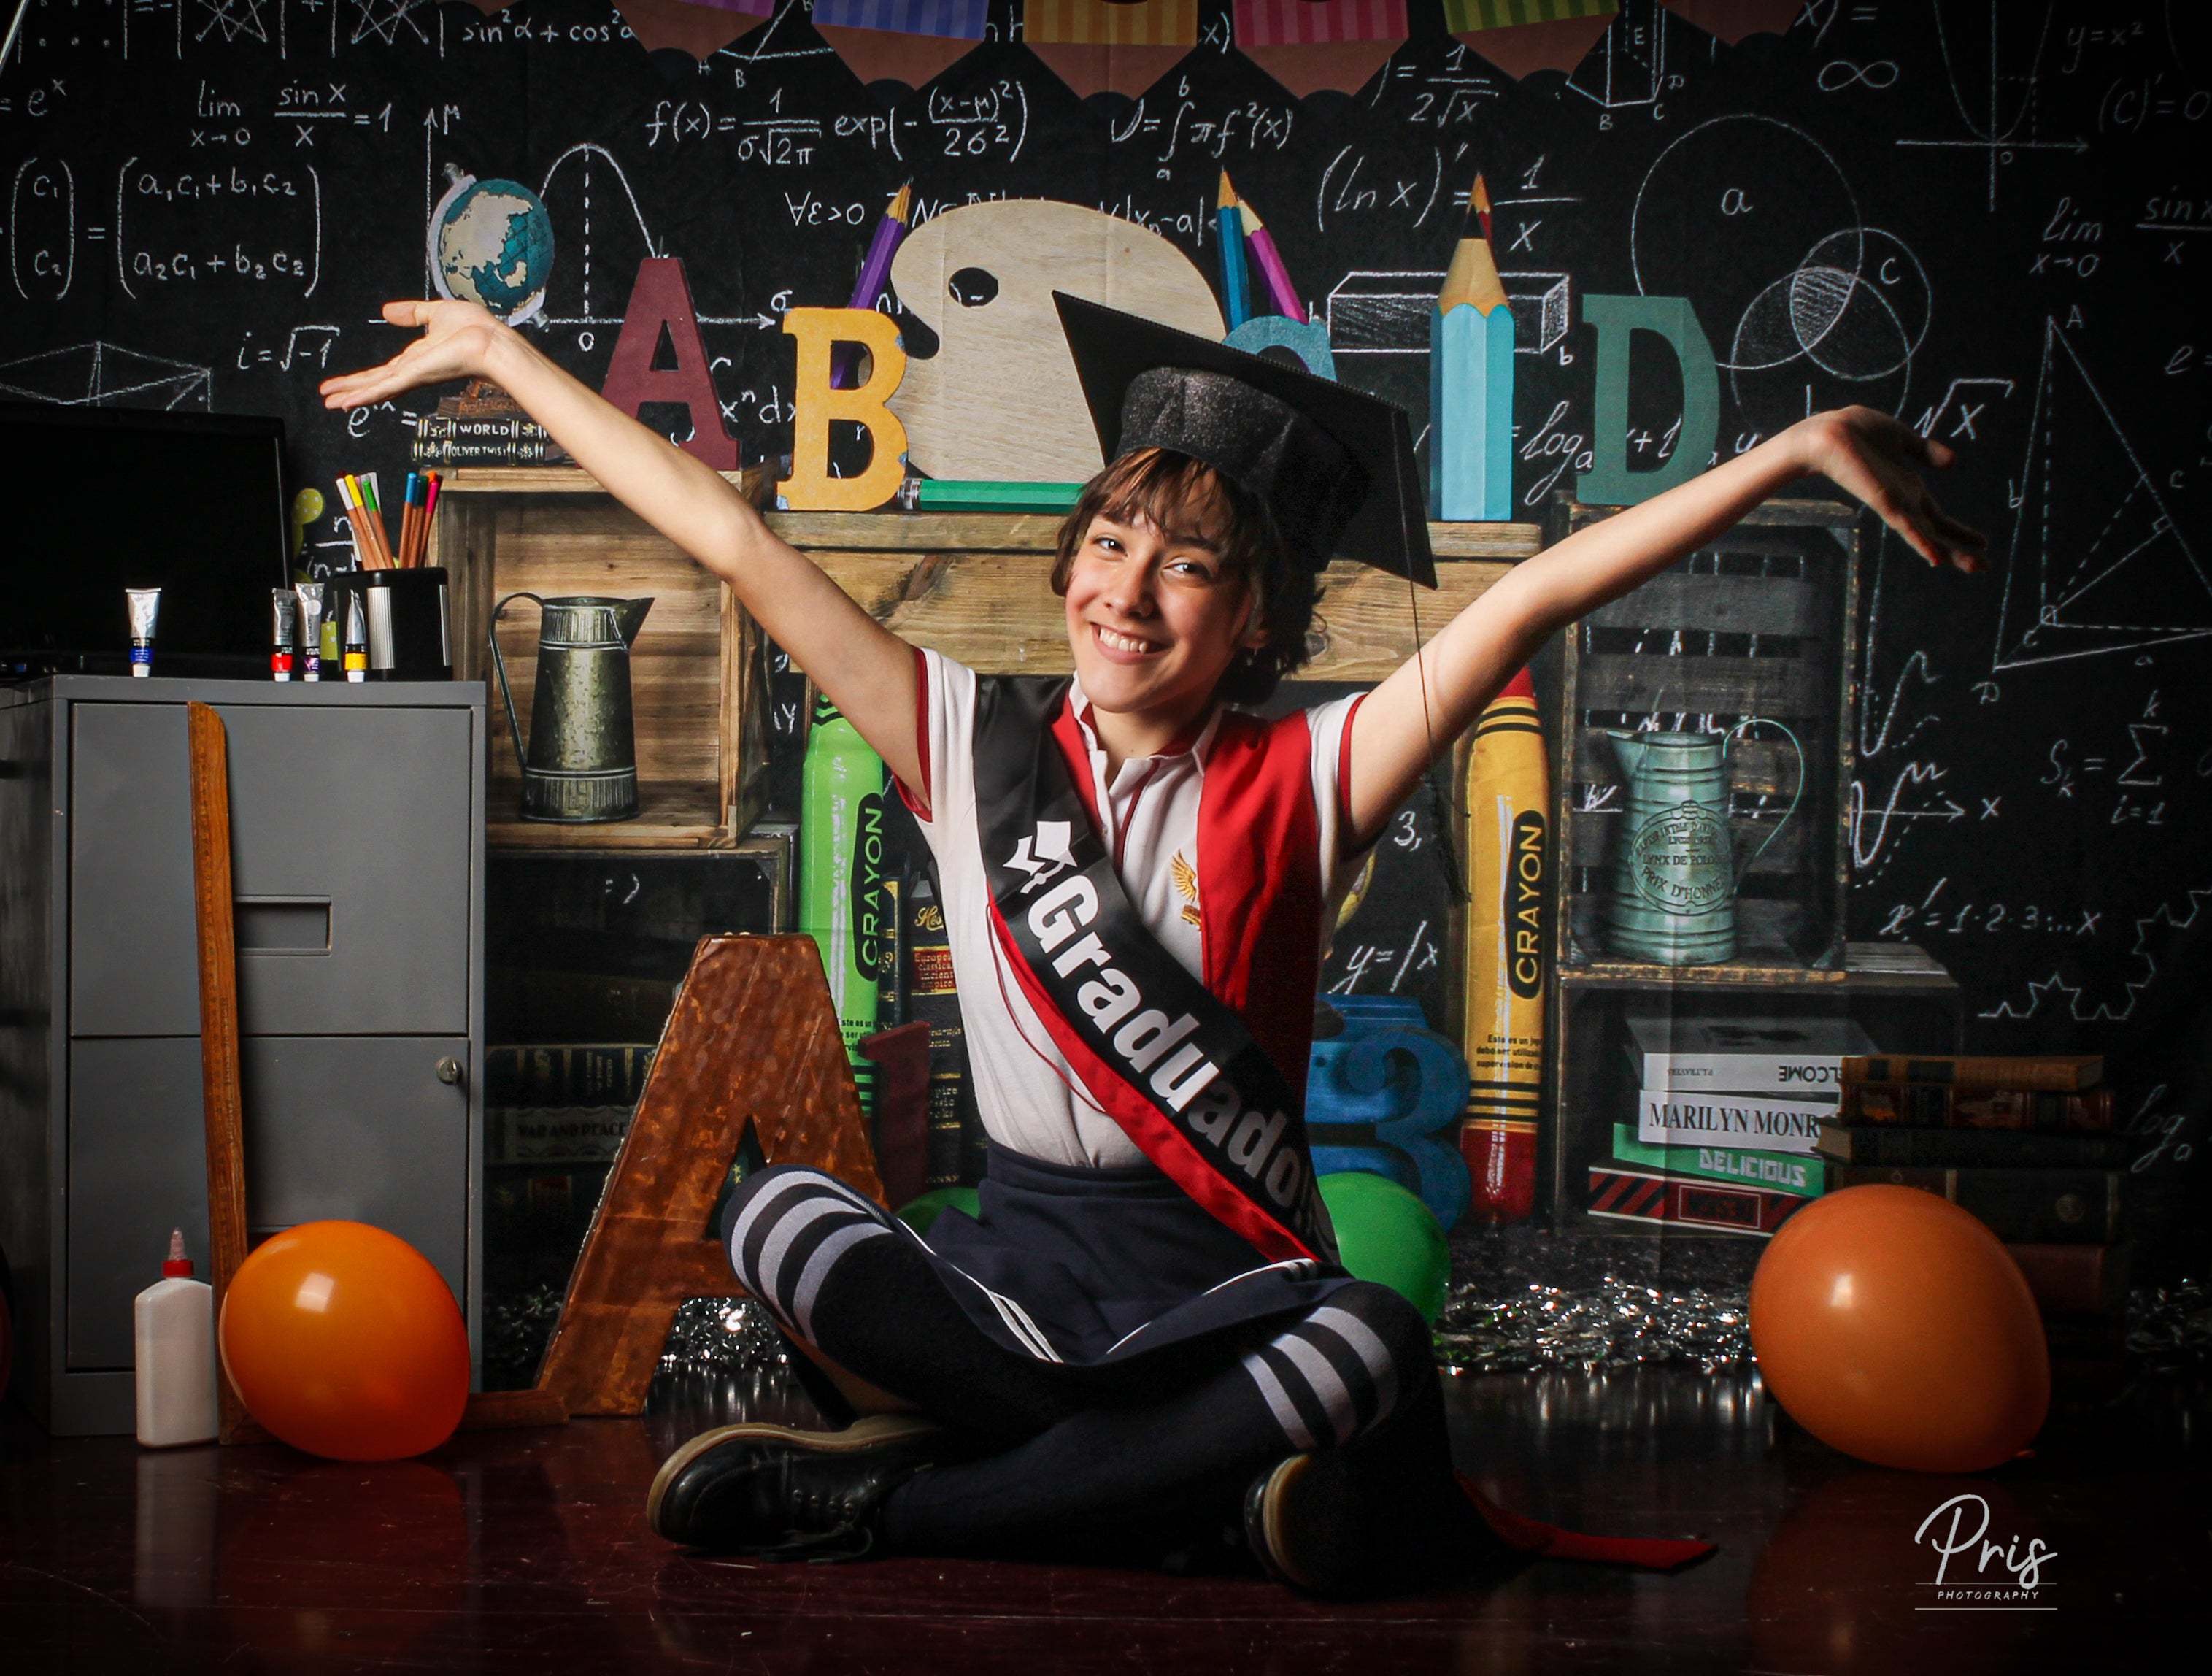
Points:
(1235, 305)
(1471, 382)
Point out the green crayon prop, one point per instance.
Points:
(1471, 382)
(841, 875)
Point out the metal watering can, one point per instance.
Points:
(581, 760)
(1675, 875)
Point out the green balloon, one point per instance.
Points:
(919, 1214)
(1386, 1234)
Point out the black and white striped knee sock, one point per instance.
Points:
(1326, 1380)
(785, 1230)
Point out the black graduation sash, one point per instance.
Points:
(1159, 1053)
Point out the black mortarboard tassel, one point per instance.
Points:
(1334, 465)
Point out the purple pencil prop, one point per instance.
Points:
(875, 274)
(1271, 263)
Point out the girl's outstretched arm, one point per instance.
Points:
(868, 671)
(1413, 716)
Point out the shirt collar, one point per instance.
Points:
(1193, 741)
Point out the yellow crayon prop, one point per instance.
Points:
(1508, 795)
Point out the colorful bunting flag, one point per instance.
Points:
(1309, 44)
(1096, 47)
(1523, 36)
(701, 30)
(912, 41)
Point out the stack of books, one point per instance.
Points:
(482, 426)
(1727, 1112)
(2029, 1145)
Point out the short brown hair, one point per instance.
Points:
(1171, 491)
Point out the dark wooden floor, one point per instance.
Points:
(528, 1551)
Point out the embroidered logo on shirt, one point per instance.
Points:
(1186, 883)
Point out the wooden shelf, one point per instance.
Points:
(1868, 968)
(672, 815)
(971, 585)
(933, 532)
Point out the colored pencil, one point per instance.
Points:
(357, 526)
(407, 521)
(875, 274)
(368, 524)
(1236, 287)
(1271, 262)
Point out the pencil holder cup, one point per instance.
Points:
(410, 633)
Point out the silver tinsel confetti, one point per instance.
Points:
(722, 1333)
(1614, 1322)
(2171, 1326)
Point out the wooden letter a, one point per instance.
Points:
(662, 300)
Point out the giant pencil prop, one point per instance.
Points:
(1471, 381)
(1507, 794)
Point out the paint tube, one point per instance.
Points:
(356, 638)
(145, 606)
(311, 630)
(284, 614)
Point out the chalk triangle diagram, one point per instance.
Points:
(2098, 562)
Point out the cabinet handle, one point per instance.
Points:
(449, 1070)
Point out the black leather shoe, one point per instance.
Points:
(1290, 1528)
(781, 1493)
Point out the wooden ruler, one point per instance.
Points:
(220, 1089)
(220, 1097)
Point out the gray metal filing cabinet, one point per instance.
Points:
(357, 819)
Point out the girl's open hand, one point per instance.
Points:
(456, 338)
(1872, 456)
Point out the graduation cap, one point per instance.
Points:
(1334, 465)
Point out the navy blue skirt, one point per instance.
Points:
(1087, 1267)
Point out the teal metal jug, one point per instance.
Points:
(581, 763)
(1675, 875)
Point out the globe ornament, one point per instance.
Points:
(491, 243)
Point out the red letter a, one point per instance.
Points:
(662, 299)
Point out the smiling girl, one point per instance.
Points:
(1145, 1335)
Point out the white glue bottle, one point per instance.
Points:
(175, 1322)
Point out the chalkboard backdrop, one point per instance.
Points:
(1995, 220)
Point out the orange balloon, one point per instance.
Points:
(344, 1341)
(1894, 1326)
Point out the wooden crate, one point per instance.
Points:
(698, 672)
(1763, 622)
(973, 587)
(1904, 999)
(970, 585)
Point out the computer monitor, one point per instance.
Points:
(93, 501)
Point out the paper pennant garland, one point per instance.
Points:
(1304, 23)
(1464, 16)
(1522, 36)
(1098, 48)
(913, 41)
(1309, 45)
(1104, 23)
(702, 31)
(1732, 20)
(954, 19)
